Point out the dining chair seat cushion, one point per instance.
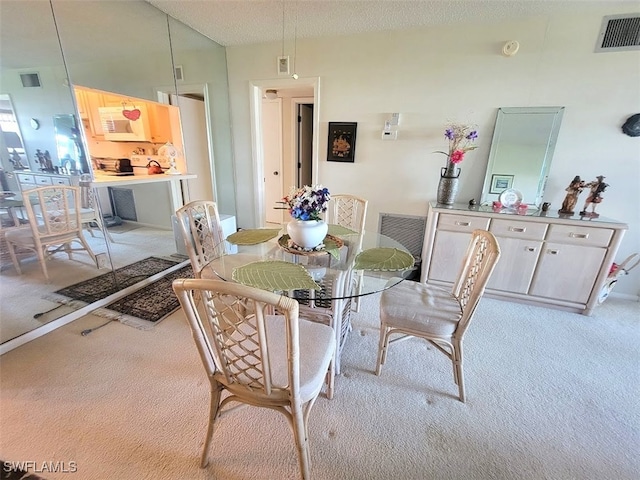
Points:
(317, 342)
(417, 306)
(20, 235)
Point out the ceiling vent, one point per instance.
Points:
(619, 33)
(30, 80)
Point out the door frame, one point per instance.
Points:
(256, 90)
(295, 147)
(163, 95)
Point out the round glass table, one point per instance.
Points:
(373, 261)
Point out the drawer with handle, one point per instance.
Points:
(461, 223)
(576, 235)
(518, 229)
(41, 180)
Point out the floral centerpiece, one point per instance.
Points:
(308, 202)
(307, 230)
(460, 138)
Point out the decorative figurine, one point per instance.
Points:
(595, 196)
(573, 191)
(15, 161)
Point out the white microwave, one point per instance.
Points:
(125, 124)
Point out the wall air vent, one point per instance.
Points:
(619, 33)
(30, 80)
(179, 73)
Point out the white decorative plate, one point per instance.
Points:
(510, 198)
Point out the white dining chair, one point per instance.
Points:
(202, 233)
(256, 350)
(54, 224)
(438, 315)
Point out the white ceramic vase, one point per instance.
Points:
(307, 233)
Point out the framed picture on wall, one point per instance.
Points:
(342, 142)
(500, 183)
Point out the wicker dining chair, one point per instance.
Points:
(436, 314)
(268, 357)
(349, 211)
(202, 233)
(54, 224)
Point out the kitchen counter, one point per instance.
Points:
(104, 180)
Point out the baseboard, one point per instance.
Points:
(625, 296)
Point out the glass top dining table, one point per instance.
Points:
(349, 260)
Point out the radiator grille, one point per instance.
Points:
(406, 229)
(123, 202)
(619, 33)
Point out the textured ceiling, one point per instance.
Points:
(240, 22)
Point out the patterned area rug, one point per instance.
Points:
(144, 308)
(88, 291)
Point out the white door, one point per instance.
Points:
(196, 150)
(272, 149)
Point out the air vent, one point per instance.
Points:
(619, 33)
(179, 73)
(30, 80)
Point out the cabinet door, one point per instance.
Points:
(159, 123)
(516, 265)
(448, 251)
(567, 272)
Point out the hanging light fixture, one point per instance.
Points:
(295, 43)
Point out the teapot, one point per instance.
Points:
(154, 169)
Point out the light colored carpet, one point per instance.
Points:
(551, 395)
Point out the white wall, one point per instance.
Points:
(436, 75)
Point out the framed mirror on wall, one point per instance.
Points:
(96, 59)
(522, 147)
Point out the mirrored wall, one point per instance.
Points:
(43, 69)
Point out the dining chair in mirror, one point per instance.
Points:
(199, 223)
(267, 358)
(438, 315)
(54, 224)
(522, 148)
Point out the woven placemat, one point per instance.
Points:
(252, 236)
(383, 259)
(274, 275)
(340, 230)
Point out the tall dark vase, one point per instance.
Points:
(448, 185)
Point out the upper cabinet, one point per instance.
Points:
(161, 122)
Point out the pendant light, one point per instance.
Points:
(295, 43)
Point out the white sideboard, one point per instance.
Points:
(29, 180)
(547, 259)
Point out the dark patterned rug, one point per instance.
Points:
(146, 307)
(97, 288)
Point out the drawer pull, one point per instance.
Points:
(553, 252)
(463, 224)
(518, 229)
(531, 249)
(579, 235)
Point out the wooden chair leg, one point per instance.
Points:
(214, 407)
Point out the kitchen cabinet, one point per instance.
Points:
(546, 259)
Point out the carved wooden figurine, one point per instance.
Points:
(595, 196)
(573, 191)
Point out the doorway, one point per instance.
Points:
(299, 142)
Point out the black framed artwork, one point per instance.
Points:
(342, 142)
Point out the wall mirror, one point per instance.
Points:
(522, 149)
(98, 58)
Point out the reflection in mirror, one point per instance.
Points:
(522, 148)
(100, 58)
(13, 154)
(69, 145)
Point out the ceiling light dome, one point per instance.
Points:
(271, 94)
